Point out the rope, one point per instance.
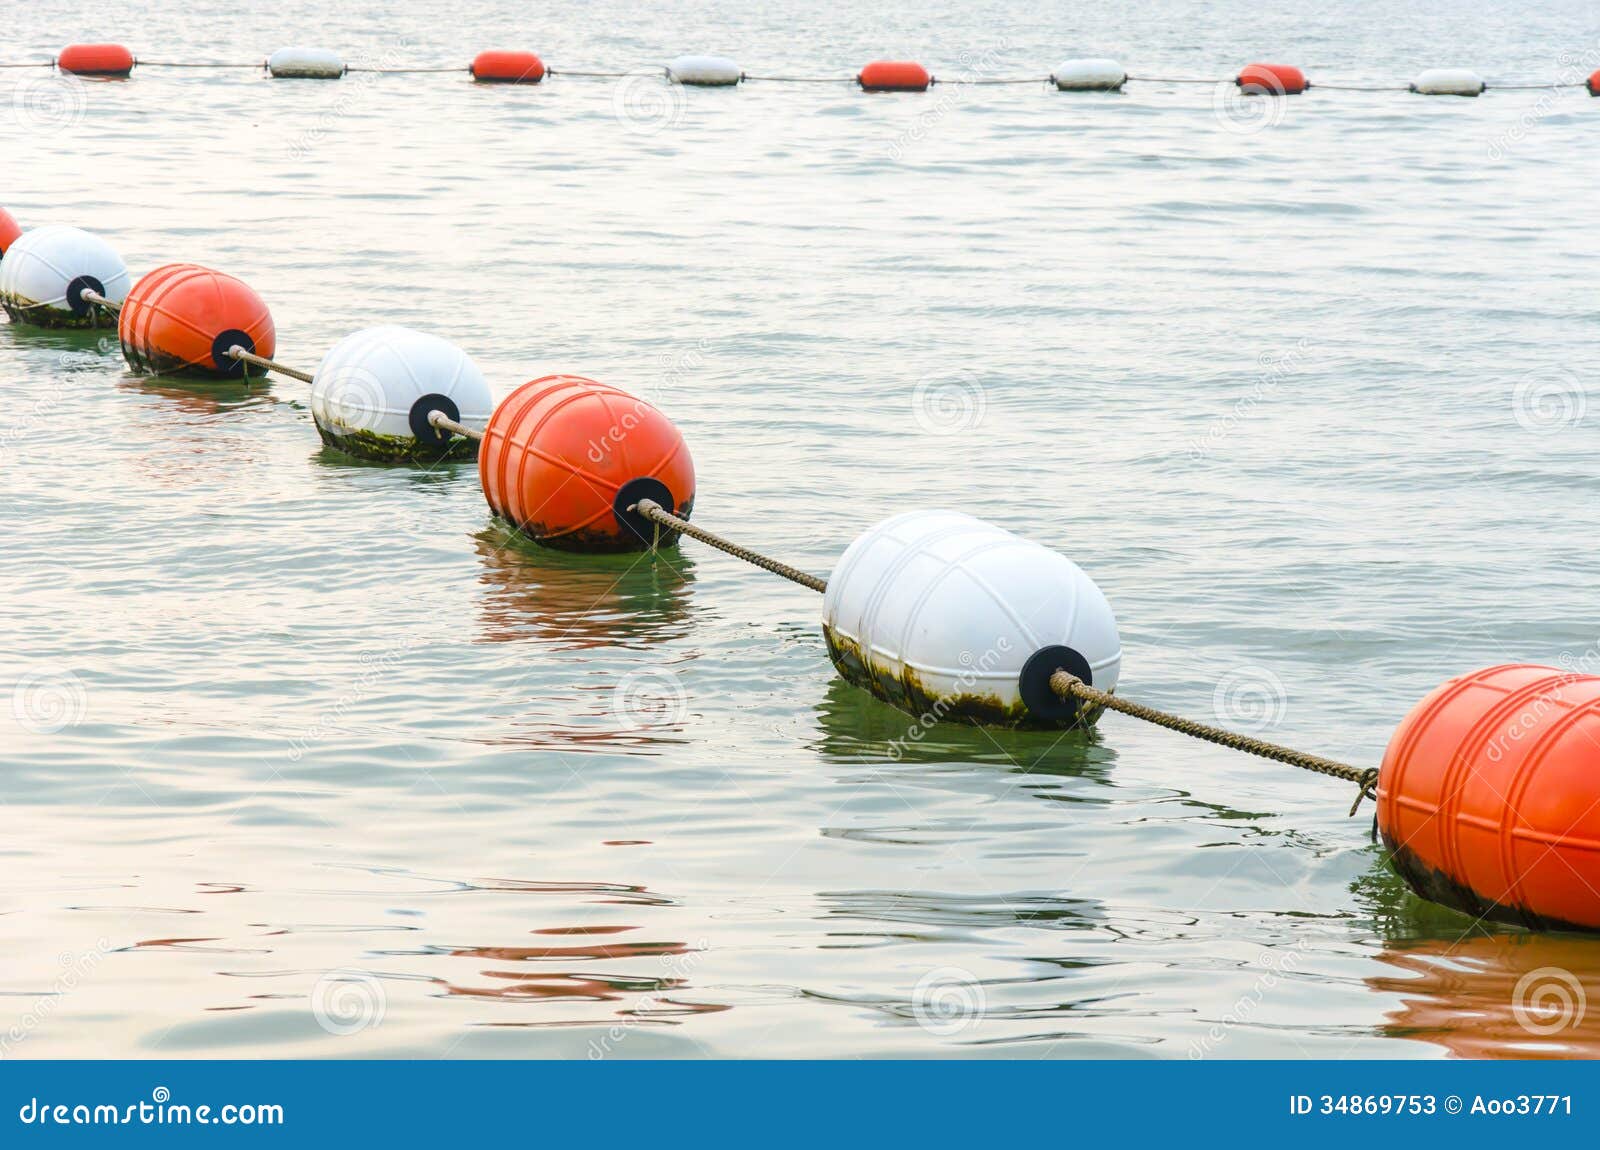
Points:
(1070, 686)
(191, 64)
(89, 295)
(1178, 80)
(35, 64)
(1357, 87)
(406, 71)
(1020, 80)
(440, 419)
(599, 75)
(657, 514)
(805, 79)
(239, 353)
(1533, 87)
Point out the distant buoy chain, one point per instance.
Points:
(1087, 74)
(1488, 797)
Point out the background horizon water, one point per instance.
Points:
(308, 758)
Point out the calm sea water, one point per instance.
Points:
(306, 758)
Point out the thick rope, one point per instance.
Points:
(804, 79)
(1069, 686)
(654, 512)
(440, 419)
(195, 64)
(239, 353)
(89, 295)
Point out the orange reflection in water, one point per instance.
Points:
(1498, 996)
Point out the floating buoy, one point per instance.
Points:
(1489, 797)
(705, 71)
(373, 392)
(184, 318)
(1593, 83)
(10, 231)
(45, 271)
(1272, 79)
(565, 457)
(95, 60)
(507, 68)
(949, 617)
(1449, 82)
(305, 64)
(1092, 75)
(894, 76)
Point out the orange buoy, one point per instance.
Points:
(1593, 83)
(507, 68)
(894, 76)
(1489, 797)
(564, 458)
(1272, 79)
(184, 318)
(95, 60)
(10, 230)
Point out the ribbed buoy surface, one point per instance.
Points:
(1489, 796)
(564, 457)
(184, 318)
(1272, 79)
(372, 393)
(947, 616)
(507, 68)
(305, 64)
(1089, 75)
(1448, 82)
(10, 231)
(95, 60)
(705, 71)
(45, 270)
(894, 76)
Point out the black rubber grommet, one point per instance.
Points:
(1034, 683)
(224, 343)
(75, 300)
(425, 432)
(629, 494)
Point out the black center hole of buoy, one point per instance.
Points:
(226, 342)
(75, 300)
(629, 494)
(1034, 683)
(426, 432)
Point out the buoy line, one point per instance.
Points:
(1487, 797)
(522, 67)
(1065, 684)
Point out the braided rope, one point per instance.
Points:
(239, 353)
(654, 512)
(440, 419)
(1068, 685)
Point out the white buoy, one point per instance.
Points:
(1449, 82)
(306, 64)
(1092, 75)
(45, 270)
(705, 71)
(373, 392)
(946, 616)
